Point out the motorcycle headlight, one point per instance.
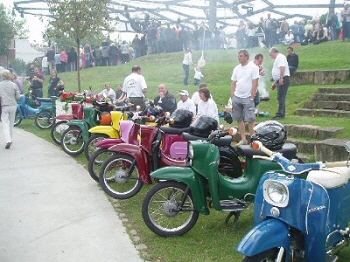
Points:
(190, 151)
(276, 193)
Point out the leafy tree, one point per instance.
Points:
(9, 28)
(77, 19)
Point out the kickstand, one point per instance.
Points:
(236, 214)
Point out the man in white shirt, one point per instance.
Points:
(187, 61)
(280, 75)
(186, 103)
(135, 87)
(107, 93)
(244, 86)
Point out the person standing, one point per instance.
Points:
(9, 94)
(345, 14)
(165, 100)
(63, 60)
(293, 60)
(50, 54)
(72, 59)
(135, 87)
(36, 83)
(244, 86)
(187, 61)
(280, 75)
(186, 103)
(18, 82)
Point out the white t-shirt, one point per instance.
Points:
(108, 93)
(280, 60)
(187, 58)
(208, 108)
(196, 99)
(197, 74)
(187, 105)
(134, 84)
(244, 76)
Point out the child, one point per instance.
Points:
(197, 75)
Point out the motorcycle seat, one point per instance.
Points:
(222, 141)
(288, 150)
(330, 177)
(190, 137)
(174, 130)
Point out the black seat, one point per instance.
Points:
(223, 141)
(288, 150)
(190, 137)
(174, 130)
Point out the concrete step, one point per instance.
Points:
(330, 97)
(322, 112)
(331, 150)
(304, 146)
(310, 131)
(340, 90)
(334, 105)
(306, 157)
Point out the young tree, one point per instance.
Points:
(77, 19)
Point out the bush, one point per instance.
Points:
(19, 66)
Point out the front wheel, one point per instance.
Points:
(89, 147)
(44, 119)
(18, 118)
(266, 256)
(72, 141)
(96, 161)
(168, 209)
(57, 130)
(119, 176)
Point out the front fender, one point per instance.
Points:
(107, 142)
(108, 130)
(268, 234)
(83, 126)
(143, 160)
(187, 176)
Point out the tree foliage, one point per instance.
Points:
(77, 20)
(9, 28)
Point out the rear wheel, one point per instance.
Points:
(168, 209)
(44, 119)
(89, 147)
(72, 141)
(119, 177)
(57, 130)
(18, 118)
(267, 256)
(96, 161)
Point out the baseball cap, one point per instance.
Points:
(184, 92)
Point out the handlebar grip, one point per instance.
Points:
(336, 164)
(258, 145)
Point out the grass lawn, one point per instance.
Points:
(210, 239)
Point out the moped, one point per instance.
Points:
(300, 219)
(172, 207)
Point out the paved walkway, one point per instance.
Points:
(51, 210)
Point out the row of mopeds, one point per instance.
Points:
(300, 209)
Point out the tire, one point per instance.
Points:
(114, 179)
(89, 147)
(44, 119)
(229, 164)
(57, 130)
(18, 118)
(267, 256)
(96, 161)
(158, 209)
(72, 141)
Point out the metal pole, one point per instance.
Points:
(212, 15)
(331, 5)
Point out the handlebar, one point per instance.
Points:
(221, 133)
(291, 167)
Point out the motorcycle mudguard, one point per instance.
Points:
(64, 118)
(268, 234)
(107, 142)
(187, 176)
(83, 126)
(107, 130)
(142, 159)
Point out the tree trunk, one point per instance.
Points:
(78, 65)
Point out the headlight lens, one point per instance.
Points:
(276, 193)
(190, 151)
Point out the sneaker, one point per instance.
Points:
(277, 118)
(242, 142)
(8, 144)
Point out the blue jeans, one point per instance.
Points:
(187, 73)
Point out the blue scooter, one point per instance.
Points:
(300, 219)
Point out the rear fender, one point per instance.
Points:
(189, 177)
(143, 160)
(64, 117)
(107, 130)
(107, 142)
(268, 234)
(83, 126)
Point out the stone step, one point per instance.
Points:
(330, 97)
(306, 157)
(340, 90)
(331, 150)
(334, 105)
(322, 112)
(304, 146)
(315, 132)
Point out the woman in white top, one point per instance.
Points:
(187, 61)
(207, 106)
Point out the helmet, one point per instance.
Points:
(203, 126)
(156, 111)
(105, 118)
(271, 134)
(181, 118)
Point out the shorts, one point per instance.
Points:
(243, 109)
